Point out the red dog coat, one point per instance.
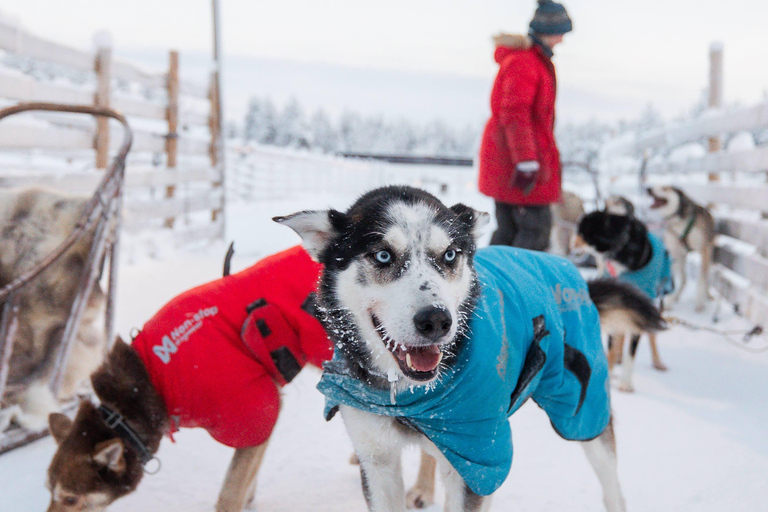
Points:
(217, 353)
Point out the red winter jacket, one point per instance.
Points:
(521, 126)
(217, 353)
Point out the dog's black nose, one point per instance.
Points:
(433, 322)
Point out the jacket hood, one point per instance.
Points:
(509, 43)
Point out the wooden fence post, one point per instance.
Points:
(172, 115)
(103, 68)
(715, 93)
(216, 147)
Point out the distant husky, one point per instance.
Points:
(638, 258)
(33, 222)
(688, 227)
(566, 214)
(428, 335)
(619, 205)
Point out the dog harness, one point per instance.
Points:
(218, 352)
(534, 334)
(655, 278)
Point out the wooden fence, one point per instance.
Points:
(733, 183)
(174, 173)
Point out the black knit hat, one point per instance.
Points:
(550, 19)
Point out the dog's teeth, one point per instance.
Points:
(439, 358)
(408, 361)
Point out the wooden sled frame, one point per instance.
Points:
(102, 216)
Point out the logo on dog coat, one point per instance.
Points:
(570, 299)
(181, 333)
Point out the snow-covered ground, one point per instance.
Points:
(693, 438)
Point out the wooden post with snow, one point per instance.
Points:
(715, 93)
(172, 115)
(103, 68)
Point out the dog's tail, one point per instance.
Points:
(624, 308)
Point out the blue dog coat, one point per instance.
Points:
(535, 333)
(655, 278)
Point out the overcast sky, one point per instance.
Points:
(624, 51)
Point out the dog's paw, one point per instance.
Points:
(419, 498)
(660, 366)
(626, 387)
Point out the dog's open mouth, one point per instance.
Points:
(419, 363)
(658, 202)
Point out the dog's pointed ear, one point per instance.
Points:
(59, 425)
(316, 228)
(476, 220)
(110, 455)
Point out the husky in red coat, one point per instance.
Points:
(213, 357)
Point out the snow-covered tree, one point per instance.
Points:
(324, 137)
(259, 123)
(291, 128)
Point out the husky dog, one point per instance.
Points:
(688, 227)
(214, 358)
(424, 326)
(638, 258)
(33, 222)
(566, 214)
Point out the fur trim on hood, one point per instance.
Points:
(515, 41)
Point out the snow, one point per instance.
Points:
(692, 438)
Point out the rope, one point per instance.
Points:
(746, 335)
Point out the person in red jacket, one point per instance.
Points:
(519, 160)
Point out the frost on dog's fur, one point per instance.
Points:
(402, 244)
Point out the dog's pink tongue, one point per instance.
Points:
(424, 359)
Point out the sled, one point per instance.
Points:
(102, 217)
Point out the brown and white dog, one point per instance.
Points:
(213, 357)
(566, 214)
(688, 227)
(33, 222)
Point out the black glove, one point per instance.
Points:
(526, 176)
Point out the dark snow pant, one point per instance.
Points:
(527, 227)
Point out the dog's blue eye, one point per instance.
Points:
(383, 257)
(450, 255)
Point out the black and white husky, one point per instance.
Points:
(399, 266)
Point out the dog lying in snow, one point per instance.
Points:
(639, 258)
(33, 222)
(424, 325)
(688, 227)
(213, 357)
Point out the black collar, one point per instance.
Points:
(116, 422)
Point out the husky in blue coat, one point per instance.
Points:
(437, 344)
(638, 258)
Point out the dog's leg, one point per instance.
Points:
(240, 480)
(615, 350)
(655, 353)
(678, 271)
(378, 442)
(601, 453)
(628, 365)
(422, 494)
(458, 496)
(702, 287)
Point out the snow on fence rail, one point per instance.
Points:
(173, 169)
(740, 207)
